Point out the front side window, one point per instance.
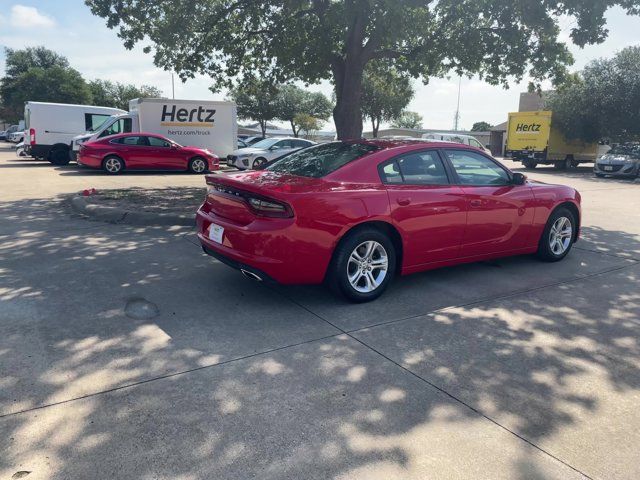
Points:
(475, 169)
(416, 168)
(474, 143)
(158, 142)
(321, 160)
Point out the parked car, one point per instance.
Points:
(3, 134)
(264, 151)
(144, 151)
(9, 131)
(355, 213)
(251, 140)
(622, 160)
(16, 137)
(241, 144)
(457, 138)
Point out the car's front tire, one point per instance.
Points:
(197, 165)
(113, 165)
(258, 163)
(59, 155)
(558, 235)
(363, 265)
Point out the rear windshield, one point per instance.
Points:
(320, 160)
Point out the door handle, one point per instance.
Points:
(476, 203)
(403, 201)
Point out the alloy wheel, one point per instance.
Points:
(198, 165)
(367, 267)
(112, 165)
(560, 235)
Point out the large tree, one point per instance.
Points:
(256, 99)
(385, 94)
(408, 119)
(115, 94)
(38, 74)
(601, 101)
(311, 40)
(295, 102)
(481, 127)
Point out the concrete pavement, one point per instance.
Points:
(505, 369)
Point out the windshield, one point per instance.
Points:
(628, 149)
(266, 143)
(320, 160)
(99, 122)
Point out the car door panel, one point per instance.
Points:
(430, 212)
(432, 220)
(499, 213)
(499, 219)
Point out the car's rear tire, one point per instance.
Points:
(363, 265)
(529, 164)
(59, 155)
(258, 163)
(113, 165)
(197, 165)
(558, 235)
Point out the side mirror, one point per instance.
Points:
(518, 178)
(174, 146)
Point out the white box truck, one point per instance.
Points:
(205, 124)
(50, 127)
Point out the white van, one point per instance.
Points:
(50, 127)
(456, 138)
(197, 123)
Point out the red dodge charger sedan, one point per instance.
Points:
(144, 151)
(355, 213)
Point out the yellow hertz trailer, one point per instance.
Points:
(532, 140)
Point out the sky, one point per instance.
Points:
(69, 28)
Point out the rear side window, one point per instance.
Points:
(320, 160)
(140, 141)
(415, 168)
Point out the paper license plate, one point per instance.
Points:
(216, 233)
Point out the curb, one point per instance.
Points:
(129, 217)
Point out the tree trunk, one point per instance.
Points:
(263, 127)
(293, 129)
(375, 124)
(347, 113)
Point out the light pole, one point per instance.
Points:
(457, 116)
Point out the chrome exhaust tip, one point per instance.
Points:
(250, 275)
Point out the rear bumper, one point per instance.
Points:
(273, 249)
(238, 265)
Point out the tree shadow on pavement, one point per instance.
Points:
(254, 385)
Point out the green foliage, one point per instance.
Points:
(603, 101)
(38, 74)
(311, 40)
(307, 123)
(385, 94)
(115, 94)
(408, 119)
(256, 99)
(481, 127)
(293, 101)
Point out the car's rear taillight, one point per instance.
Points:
(32, 136)
(269, 208)
(259, 205)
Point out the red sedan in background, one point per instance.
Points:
(356, 213)
(144, 151)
